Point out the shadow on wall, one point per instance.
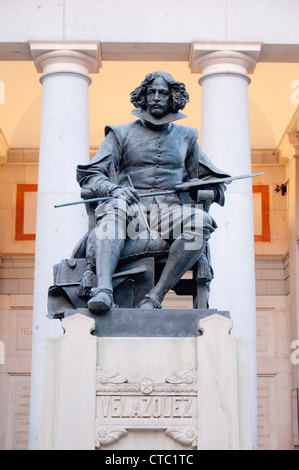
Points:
(26, 132)
(261, 132)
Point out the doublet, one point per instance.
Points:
(154, 158)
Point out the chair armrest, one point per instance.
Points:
(205, 197)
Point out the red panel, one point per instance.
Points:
(266, 234)
(20, 208)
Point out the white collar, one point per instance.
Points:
(146, 116)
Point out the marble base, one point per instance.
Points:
(135, 323)
(156, 390)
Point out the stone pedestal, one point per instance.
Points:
(69, 392)
(147, 379)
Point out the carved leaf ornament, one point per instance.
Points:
(183, 377)
(105, 436)
(105, 376)
(184, 435)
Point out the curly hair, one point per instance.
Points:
(179, 95)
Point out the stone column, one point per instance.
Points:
(64, 143)
(293, 222)
(225, 139)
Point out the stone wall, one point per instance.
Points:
(16, 300)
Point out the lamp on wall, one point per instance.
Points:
(282, 188)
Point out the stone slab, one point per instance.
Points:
(170, 323)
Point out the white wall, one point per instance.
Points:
(166, 26)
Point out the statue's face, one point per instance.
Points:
(158, 98)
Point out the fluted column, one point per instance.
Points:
(64, 143)
(225, 138)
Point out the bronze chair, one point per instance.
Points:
(138, 271)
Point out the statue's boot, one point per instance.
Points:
(107, 257)
(101, 300)
(108, 251)
(179, 261)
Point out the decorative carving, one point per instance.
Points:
(186, 376)
(169, 406)
(105, 436)
(105, 377)
(185, 435)
(182, 381)
(146, 385)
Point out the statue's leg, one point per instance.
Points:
(110, 235)
(185, 250)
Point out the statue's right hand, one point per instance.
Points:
(130, 195)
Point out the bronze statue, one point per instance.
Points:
(148, 155)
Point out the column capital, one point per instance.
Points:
(293, 138)
(75, 58)
(223, 59)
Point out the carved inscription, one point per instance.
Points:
(295, 417)
(23, 331)
(267, 433)
(147, 407)
(19, 413)
(170, 406)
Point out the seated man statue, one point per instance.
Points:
(149, 155)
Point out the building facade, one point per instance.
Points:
(66, 71)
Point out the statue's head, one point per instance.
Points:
(160, 94)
